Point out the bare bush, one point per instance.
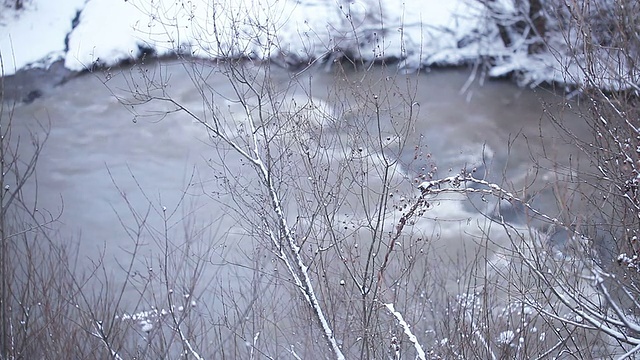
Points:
(596, 42)
(328, 198)
(37, 287)
(326, 241)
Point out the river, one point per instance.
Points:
(124, 184)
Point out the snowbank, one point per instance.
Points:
(35, 34)
(422, 32)
(418, 32)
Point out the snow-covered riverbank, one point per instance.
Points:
(417, 32)
(107, 32)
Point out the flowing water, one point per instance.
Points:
(101, 167)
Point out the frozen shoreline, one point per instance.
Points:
(420, 33)
(108, 32)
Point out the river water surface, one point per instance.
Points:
(101, 168)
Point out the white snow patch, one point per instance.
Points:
(419, 31)
(106, 34)
(35, 35)
(506, 337)
(146, 325)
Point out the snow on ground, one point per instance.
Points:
(104, 34)
(36, 33)
(418, 32)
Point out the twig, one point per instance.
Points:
(407, 330)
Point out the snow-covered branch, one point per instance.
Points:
(187, 343)
(592, 315)
(99, 333)
(407, 330)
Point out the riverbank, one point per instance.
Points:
(418, 34)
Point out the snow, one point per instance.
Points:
(105, 34)
(418, 32)
(407, 330)
(35, 34)
(146, 326)
(505, 337)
